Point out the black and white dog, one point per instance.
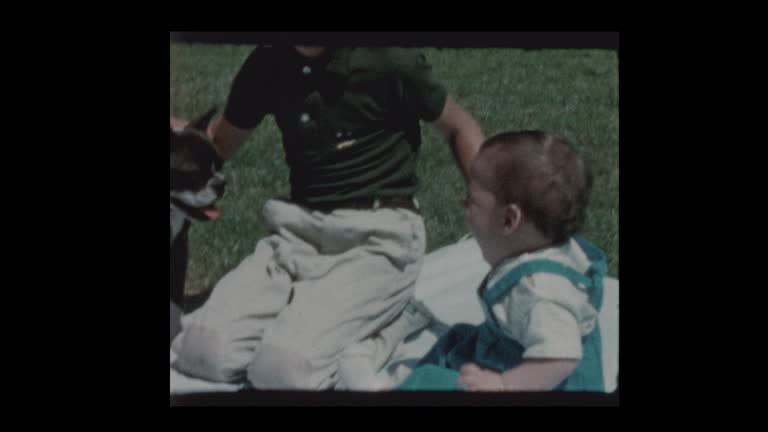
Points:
(197, 182)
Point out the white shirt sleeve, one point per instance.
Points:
(552, 332)
(548, 315)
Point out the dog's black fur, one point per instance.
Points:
(197, 183)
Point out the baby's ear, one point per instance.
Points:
(513, 217)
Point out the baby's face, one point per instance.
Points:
(484, 217)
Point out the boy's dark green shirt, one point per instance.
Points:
(349, 118)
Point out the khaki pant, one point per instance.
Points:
(321, 283)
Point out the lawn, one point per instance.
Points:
(571, 92)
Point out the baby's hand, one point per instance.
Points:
(473, 378)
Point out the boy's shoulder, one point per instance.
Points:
(388, 60)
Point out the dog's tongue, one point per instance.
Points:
(211, 212)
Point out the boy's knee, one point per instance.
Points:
(204, 353)
(280, 366)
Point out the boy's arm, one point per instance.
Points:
(463, 133)
(226, 137)
(530, 375)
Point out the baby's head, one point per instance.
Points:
(527, 190)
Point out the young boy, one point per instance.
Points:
(528, 193)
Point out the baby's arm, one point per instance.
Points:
(530, 375)
(544, 312)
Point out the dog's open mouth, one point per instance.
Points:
(210, 212)
(207, 213)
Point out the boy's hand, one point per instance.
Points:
(178, 124)
(474, 378)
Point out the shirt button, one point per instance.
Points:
(304, 117)
(306, 70)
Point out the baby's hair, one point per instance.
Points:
(543, 174)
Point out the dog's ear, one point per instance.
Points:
(201, 123)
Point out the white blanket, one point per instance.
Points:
(447, 286)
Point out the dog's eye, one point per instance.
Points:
(187, 180)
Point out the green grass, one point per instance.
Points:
(571, 92)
